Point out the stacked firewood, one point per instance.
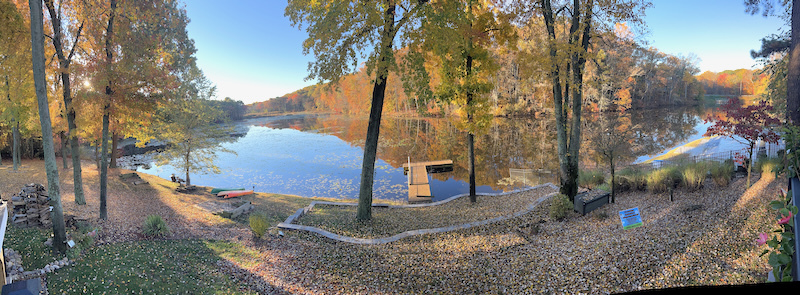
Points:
(31, 206)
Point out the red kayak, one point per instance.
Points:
(233, 194)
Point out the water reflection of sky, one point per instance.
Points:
(308, 164)
(699, 130)
(322, 155)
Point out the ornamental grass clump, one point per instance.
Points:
(630, 179)
(694, 175)
(722, 172)
(767, 165)
(560, 207)
(154, 226)
(259, 223)
(660, 180)
(590, 178)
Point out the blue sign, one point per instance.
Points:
(630, 218)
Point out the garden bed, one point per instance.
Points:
(589, 201)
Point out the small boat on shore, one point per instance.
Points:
(233, 194)
(218, 190)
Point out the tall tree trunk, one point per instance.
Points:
(471, 149)
(373, 129)
(114, 153)
(96, 156)
(613, 179)
(63, 151)
(16, 148)
(106, 113)
(104, 164)
(568, 140)
(65, 61)
(470, 137)
(793, 75)
(51, 167)
(558, 102)
(186, 160)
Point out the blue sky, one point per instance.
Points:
(249, 50)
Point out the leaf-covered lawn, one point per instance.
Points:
(148, 267)
(390, 221)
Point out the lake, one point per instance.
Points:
(320, 155)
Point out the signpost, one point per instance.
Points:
(630, 218)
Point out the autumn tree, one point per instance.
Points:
(187, 125)
(768, 7)
(53, 188)
(17, 77)
(456, 38)
(137, 49)
(611, 142)
(64, 61)
(339, 31)
(567, 56)
(747, 124)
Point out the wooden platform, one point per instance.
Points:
(419, 189)
(432, 166)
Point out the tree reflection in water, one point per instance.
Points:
(510, 143)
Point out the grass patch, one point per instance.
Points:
(147, 267)
(244, 256)
(29, 243)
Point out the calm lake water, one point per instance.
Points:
(321, 155)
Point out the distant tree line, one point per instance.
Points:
(735, 82)
(305, 99)
(623, 74)
(233, 110)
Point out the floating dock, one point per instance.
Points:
(419, 188)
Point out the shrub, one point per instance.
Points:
(155, 226)
(694, 175)
(660, 180)
(74, 253)
(722, 172)
(605, 187)
(560, 207)
(259, 223)
(590, 178)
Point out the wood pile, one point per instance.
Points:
(31, 206)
